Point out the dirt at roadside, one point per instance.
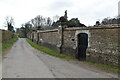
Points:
(93, 68)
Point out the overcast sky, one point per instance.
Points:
(87, 11)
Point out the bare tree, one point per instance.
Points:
(55, 18)
(10, 23)
(105, 21)
(49, 21)
(33, 22)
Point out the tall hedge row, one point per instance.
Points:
(7, 35)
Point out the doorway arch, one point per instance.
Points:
(82, 44)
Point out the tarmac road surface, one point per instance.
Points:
(23, 61)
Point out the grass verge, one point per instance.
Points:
(105, 67)
(7, 45)
(48, 51)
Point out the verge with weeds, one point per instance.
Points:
(48, 51)
(8, 44)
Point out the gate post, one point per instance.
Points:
(60, 31)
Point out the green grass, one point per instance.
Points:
(7, 45)
(48, 51)
(105, 67)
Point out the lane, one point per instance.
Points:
(63, 69)
(23, 61)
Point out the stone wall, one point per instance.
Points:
(102, 42)
(69, 42)
(103, 46)
(49, 39)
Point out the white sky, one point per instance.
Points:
(88, 11)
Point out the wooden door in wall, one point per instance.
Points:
(82, 46)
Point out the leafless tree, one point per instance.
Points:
(49, 21)
(10, 23)
(55, 18)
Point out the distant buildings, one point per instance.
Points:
(119, 9)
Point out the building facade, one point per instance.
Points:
(119, 9)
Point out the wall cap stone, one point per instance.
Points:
(53, 30)
(90, 28)
(78, 28)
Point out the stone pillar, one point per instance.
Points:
(60, 31)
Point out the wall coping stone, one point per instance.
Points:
(89, 28)
(44, 31)
(78, 28)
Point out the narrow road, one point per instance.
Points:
(23, 61)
